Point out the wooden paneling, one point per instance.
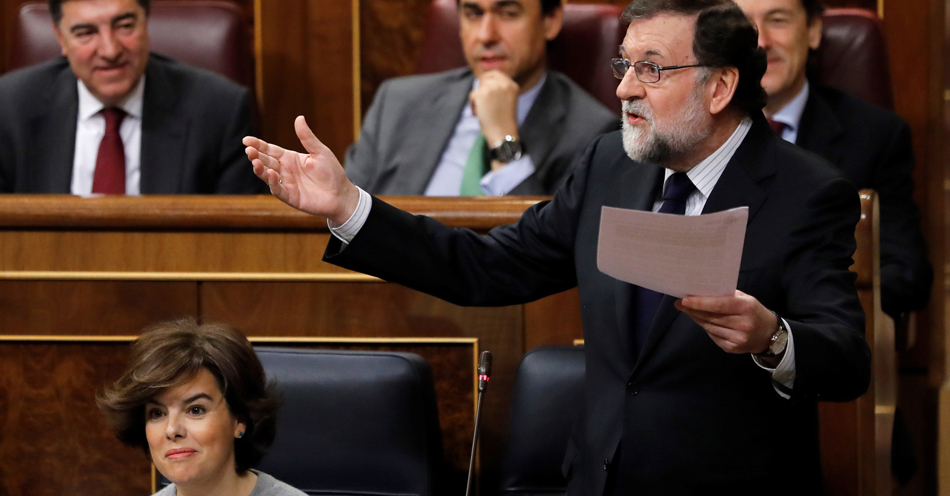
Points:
(57, 308)
(53, 440)
(307, 50)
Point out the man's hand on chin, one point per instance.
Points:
(495, 104)
(737, 323)
(313, 182)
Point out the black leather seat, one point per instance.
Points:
(354, 423)
(547, 398)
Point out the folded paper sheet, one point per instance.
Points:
(673, 254)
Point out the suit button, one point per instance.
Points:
(606, 464)
(633, 388)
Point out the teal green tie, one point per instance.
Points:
(474, 168)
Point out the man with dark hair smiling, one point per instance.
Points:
(701, 395)
(110, 118)
(503, 125)
(870, 145)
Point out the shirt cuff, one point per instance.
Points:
(349, 229)
(783, 375)
(500, 182)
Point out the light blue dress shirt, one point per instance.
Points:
(791, 115)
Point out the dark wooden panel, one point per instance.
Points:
(553, 320)
(390, 34)
(91, 307)
(308, 70)
(53, 440)
(380, 310)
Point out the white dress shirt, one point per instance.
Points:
(447, 178)
(91, 127)
(791, 115)
(704, 176)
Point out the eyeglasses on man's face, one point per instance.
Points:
(646, 71)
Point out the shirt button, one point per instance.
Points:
(606, 464)
(633, 388)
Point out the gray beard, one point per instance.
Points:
(663, 146)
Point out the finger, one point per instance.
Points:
(306, 136)
(273, 181)
(722, 305)
(263, 146)
(266, 160)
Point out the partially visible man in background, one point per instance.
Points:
(110, 118)
(503, 125)
(872, 146)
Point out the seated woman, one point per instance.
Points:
(195, 398)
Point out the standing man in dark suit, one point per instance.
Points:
(109, 118)
(702, 395)
(870, 145)
(504, 125)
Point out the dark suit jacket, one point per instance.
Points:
(705, 420)
(192, 125)
(872, 147)
(411, 120)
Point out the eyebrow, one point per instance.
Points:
(779, 10)
(89, 25)
(187, 400)
(651, 52)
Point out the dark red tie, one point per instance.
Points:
(777, 126)
(109, 178)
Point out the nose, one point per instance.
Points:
(109, 45)
(488, 29)
(173, 427)
(764, 39)
(630, 87)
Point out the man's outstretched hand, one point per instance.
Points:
(313, 182)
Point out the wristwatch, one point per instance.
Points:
(779, 340)
(506, 150)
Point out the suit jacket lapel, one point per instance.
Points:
(439, 116)
(538, 131)
(819, 128)
(164, 129)
(54, 136)
(737, 186)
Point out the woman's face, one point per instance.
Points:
(191, 432)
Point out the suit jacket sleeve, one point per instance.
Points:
(512, 264)
(235, 175)
(832, 358)
(906, 274)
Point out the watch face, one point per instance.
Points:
(779, 342)
(508, 150)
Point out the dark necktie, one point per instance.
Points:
(109, 178)
(675, 193)
(777, 126)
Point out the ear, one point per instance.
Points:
(553, 23)
(240, 429)
(59, 38)
(721, 87)
(814, 33)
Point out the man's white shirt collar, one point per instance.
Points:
(89, 105)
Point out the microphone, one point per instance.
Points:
(484, 371)
(484, 374)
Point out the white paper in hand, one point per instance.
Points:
(676, 255)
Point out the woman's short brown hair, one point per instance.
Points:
(172, 353)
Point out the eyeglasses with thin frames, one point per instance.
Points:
(646, 71)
